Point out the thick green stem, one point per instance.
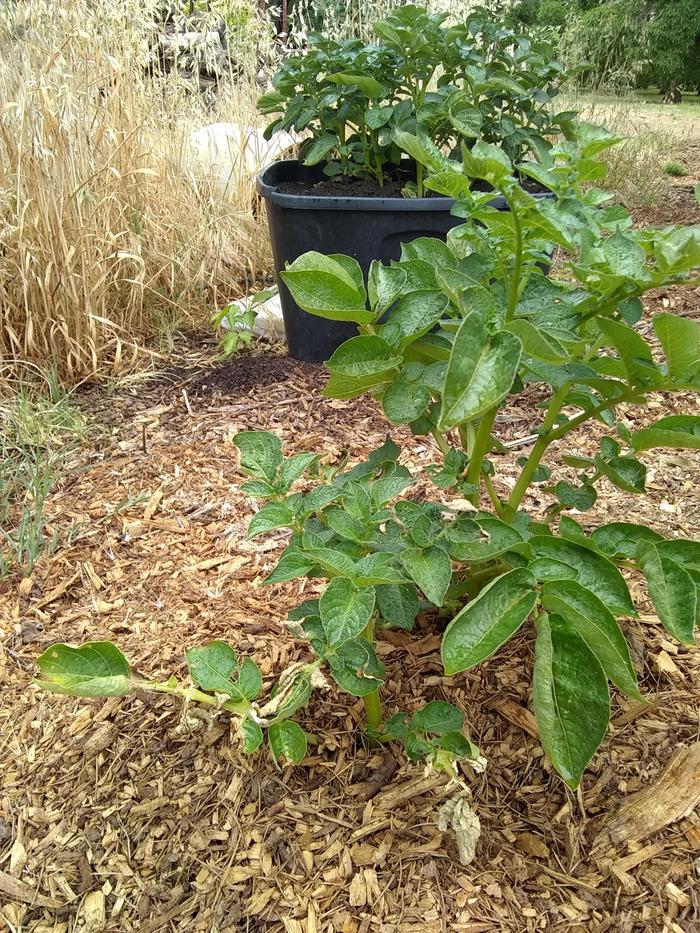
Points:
(239, 708)
(373, 704)
(493, 495)
(373, 710)
(482, 442)
(439, 439)
(632, 395)
(537, 452)
(477, 581)
(467, 436)
(482, 445)
(514, 290)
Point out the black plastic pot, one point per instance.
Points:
(365, 228)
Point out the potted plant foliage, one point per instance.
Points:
(372, 112)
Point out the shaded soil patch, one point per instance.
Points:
(243, 373)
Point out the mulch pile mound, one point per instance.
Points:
(139, 814)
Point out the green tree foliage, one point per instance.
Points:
(673, 40)
(624, 42)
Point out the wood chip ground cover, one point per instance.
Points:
(138, 815)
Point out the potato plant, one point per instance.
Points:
(450, 84)
(447, 335)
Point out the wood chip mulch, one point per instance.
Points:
(137, 814)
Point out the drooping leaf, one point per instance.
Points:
(594, 622)
(676, 431)
(488, 621)
(673, 591)
(622, 539)
(430, 569)
(591, 569)
(287, 741)
(537, 342)
(625, 472)
(345, 610)
(95, 669)
(634, 352)
(421, 148)
(479, 373)
(570, 698)
(680, 338)
(324, 287)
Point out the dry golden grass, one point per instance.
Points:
(105, 236)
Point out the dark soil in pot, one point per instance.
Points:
(345, 186)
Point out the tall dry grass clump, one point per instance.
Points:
(105, 233)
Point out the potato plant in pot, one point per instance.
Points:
(469, 323)
(358, 188)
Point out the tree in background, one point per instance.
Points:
(633, 43)
(673, 37)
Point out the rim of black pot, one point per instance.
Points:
(334, 202)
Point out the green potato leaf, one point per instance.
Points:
(570, 698)
(356, 667)
(95, 669)
(622, 539)
(251, 735)
(673, 591)
(345, 610)
(430, 568)
(261, 453)
(384, 285)
(680, 339)
(591, 569)
(479, 373)
(488, 621)
(398, 605)
(594, 622)
(676, 431)
(287, 741)
(326, 288)
(439, 718)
